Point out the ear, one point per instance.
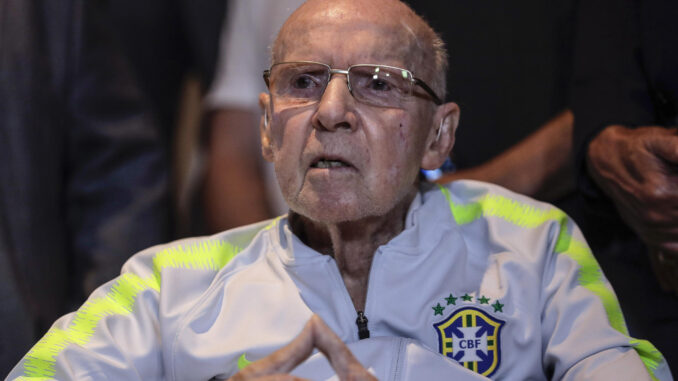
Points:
(265, 126)
(440, 139)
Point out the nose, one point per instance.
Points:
(336, 108)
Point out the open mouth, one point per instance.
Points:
(327, 163)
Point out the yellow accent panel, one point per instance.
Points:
(243, 362)
(649, 354)
(590, 276)
(513, 211)
(120, 299)
(274, 222)
(209, 255)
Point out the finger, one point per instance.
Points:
(284, 360)
(340, 357)
(655, 225)
(664, 147)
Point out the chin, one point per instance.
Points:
(330, 215)
(328, 211)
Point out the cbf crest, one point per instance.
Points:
(470, 335)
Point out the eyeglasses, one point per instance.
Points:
(303, 82)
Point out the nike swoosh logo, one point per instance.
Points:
(243, 362)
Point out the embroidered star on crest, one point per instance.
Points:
(438, 309)
(467, 297)
(483, 300)
(451, 300)
(497, 306)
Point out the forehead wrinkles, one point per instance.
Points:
(348, 44)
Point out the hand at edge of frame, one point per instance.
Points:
(638, 169)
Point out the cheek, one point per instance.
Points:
(402, 135)
(290, 125)
(409, 149)
(287, 157)
(397, 158)
(289, 133)
(407, 142)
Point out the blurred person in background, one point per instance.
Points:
(83, 171)
(172, 46)
(167, 41)
(626, 104)
(239, 185)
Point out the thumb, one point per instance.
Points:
(665, 147)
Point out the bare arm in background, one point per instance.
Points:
(235, 192)
(538, 166)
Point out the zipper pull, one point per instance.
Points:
(361, 322)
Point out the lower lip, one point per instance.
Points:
(331, 169)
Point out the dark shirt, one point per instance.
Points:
(83, 176)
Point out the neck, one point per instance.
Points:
(352, 244)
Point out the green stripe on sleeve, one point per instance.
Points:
(243, 362)
(649, 354)
(208, 255)
(591, 278)
(515, 212)
(40, 361)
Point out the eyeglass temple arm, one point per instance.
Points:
(267, 73)
(423, 85)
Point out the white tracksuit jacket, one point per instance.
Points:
(482, 281)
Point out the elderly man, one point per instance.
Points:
(385, 276)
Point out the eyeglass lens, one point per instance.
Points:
(301, 83)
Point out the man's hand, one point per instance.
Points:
(316, 334)
(638, 170)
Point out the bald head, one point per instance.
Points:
(419, 46)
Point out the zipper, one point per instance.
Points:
(363, 330)
(361, 320)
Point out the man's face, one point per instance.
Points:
(373, 153)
